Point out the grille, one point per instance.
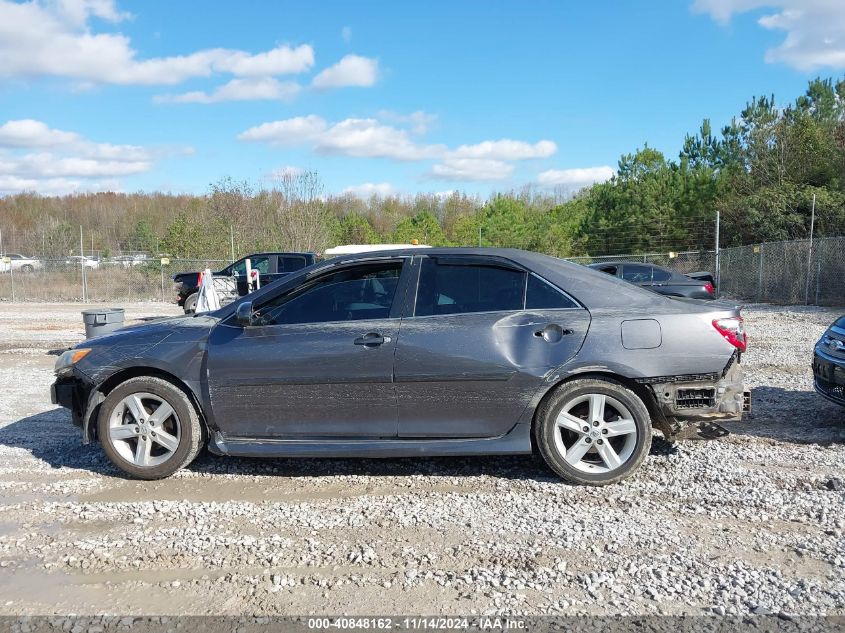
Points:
(835, 391)
(695, 398)
(834, 342)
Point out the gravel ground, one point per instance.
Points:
(750, 523)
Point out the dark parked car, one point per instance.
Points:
(270, 266)
(662, 280)
(409, 352)
(829, 363)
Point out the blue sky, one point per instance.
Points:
(386, 97)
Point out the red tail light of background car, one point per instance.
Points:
(731, 328)
(710, 288)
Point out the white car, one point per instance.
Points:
(89, 262)
(18, 262)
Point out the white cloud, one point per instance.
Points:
(56, 39)
(52, 186)
(352, 70)
(368, 189)
(34, 156)
(575, 178)
(367, 138)
(363, 138)
(475, 169)
(47, 165)
(250, 89)
(506, 149)
(419, 121)
(286, 132)
(32, 133)
(288, 171)
(815, 29)
(371, 138)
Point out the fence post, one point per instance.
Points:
(12, 279)
(760, 277)
(818, 274)
(810, 252)
(718, 259)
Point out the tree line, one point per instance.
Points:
(762, 172)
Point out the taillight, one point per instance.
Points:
(709, 288)
(732, 329)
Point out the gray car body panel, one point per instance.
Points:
(446, 384)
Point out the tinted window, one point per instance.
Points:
(290, 263)
(637, 273)
(458, 289)
(543, 296)
(262, 264)
(351, 294)
(610, 270)
(661, 275)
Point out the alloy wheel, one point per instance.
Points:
(595, 433)
(144, 429)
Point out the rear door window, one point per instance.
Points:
(457, 288)
(291, 263)
(637, 273)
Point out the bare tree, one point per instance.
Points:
(301, 215)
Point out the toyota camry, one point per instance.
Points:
(411, 353)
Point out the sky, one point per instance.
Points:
(383, 97)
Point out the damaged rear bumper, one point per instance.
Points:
(700, 401)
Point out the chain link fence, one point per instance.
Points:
(96, 280)
(794, 272)
(786, 272)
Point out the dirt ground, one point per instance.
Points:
(749, 523)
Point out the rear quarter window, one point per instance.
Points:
(661, 275)
(541, 295)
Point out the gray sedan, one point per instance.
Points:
(406, 353)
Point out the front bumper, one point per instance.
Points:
(78, 396)
(829, 377)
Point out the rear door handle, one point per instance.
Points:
(552, 333)
(372, 339)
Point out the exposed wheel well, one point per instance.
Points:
(135, 372)
(644, 393)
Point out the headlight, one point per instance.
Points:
(66, 360)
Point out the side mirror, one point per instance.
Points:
(244, 313)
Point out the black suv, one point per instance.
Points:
(829, 363)
(270, 266)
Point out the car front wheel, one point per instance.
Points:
(149, 428)
(593, 431)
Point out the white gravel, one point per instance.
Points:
(750, 523)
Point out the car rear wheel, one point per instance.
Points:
(149, 428)
(593, 431)
(27, 268)
(191, 304)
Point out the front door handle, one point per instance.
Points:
(372, 339)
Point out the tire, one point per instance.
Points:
(27, 268)
(623, 431)
(190, 304)
(152, 447)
